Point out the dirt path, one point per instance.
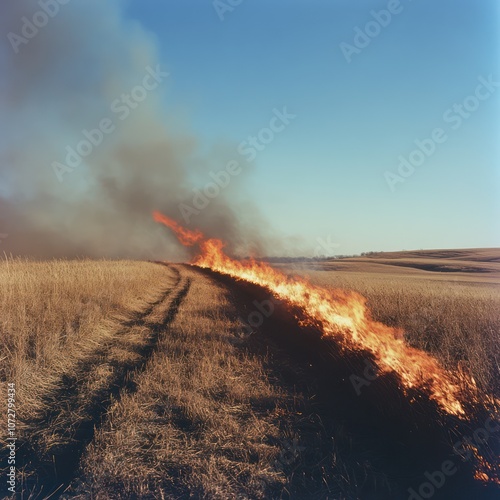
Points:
(207, 419)
(72, 413)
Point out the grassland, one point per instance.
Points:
(136, 380)
(446, 301)
(53, 313)
(133, 381)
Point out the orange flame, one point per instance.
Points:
(344, 316)
(185, 236)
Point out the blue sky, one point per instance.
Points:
(324, 174)
(371, 85)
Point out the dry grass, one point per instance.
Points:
(158, 396)
(454, 315)
(53, 311)
(190, 427)
(211, 417)
(133, 384)
(57, 318)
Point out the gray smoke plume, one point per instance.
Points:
(64, 67)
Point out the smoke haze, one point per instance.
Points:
(64, 80)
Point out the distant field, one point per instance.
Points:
(447, 301)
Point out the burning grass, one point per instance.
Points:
(454, 317)
(218, 415)
(167, 399)
(190, 428)
(345, 317)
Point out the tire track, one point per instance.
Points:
(55, 441)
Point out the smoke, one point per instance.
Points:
(66, 79)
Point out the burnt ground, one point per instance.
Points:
(397, 442)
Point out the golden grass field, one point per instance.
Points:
(134, 381)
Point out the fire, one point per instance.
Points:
(185, 236)
(344, 316)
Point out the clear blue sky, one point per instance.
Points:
(324, 174)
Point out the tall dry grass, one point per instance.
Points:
(190, 408)
(52, 312)
(456, 319)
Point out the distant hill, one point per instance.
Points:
(471, 254)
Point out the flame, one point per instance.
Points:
(345, 316)
(185, 236)
(486, 470)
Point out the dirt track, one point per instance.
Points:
(80, 403)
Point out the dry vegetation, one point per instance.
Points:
(56, 317)
(133, 382)
(53, 312)
(447, 302)
(192, 421)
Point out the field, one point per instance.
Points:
(447, 302)
(143, 379)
